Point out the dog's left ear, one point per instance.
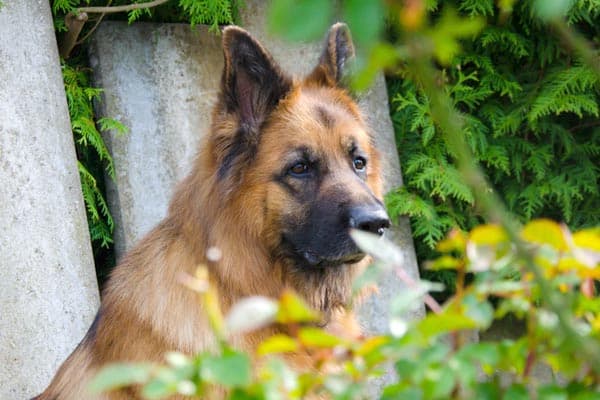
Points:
(253, 83)
(338, 52)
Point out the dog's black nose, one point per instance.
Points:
(372, 218)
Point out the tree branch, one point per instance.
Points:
(74, 25)
(123, 8)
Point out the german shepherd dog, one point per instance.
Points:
(287, 170)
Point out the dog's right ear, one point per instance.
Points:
(252, 82)
(338, 52)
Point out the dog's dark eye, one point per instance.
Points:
(360, 163)
(299, 168)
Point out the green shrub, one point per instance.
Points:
(530, 116)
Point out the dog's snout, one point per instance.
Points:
(372, 219)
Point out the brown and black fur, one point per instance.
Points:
(287, 169)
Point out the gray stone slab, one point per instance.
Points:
(161, 81)
(48, 290)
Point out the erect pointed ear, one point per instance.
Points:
(252, 82)
(339, 50)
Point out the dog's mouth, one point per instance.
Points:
(307, 258)
(314, 261)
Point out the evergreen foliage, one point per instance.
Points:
(530, 112)
(91, 149)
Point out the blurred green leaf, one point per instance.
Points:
(293, 309)
(231, 369)
(516, 392)
(120, 375)
(315, 337)
(480, 310)
(356, 12)
(438, 324)
(278, 344)
(545, 231)
(300, 20)
(552, 392)
(547, 10)
(450, 28)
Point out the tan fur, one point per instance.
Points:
(145, 310)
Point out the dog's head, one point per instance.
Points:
(295, 156)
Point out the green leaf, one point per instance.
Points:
(548, 10)
(479, 310)
(356, 12)
(120, 375)
(277, 344)
(315, 337)
(299, 20)
(439, 383)
(438, 324)
(293, 309)
(552, 392)
(448, 30)
(231, 369)
(516, 392)
(545, 231)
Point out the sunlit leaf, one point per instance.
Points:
(545, 231)
(445, 262)
(315, 337)
(588, 239)
(293, 309)
(456, 240)
(278, 344)
(488, 235)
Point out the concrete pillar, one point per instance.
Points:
(161, 81)
(48, 289)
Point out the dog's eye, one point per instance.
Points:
(360, 163)
(299, 168)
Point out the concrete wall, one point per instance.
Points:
(48, 290)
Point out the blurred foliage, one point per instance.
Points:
(433, 357)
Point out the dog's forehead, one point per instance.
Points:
(321, 117)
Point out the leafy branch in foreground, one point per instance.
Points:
(432, 357)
